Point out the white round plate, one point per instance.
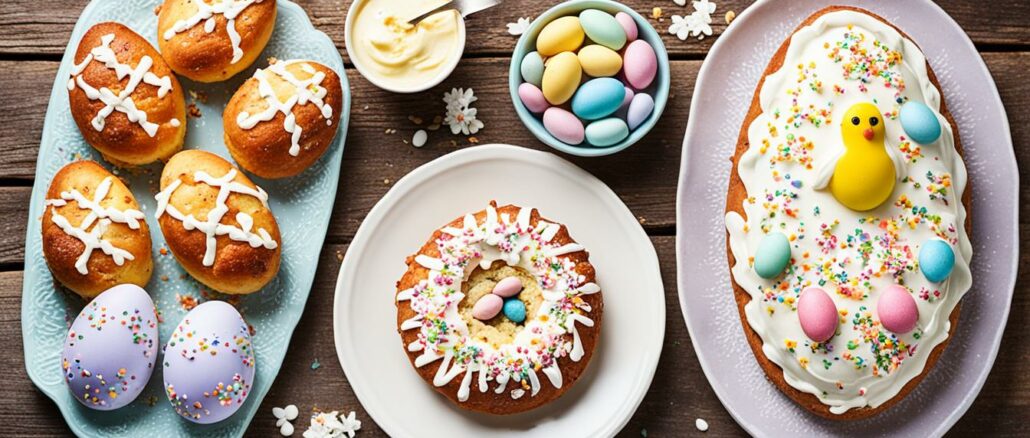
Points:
(722, 95)
(364, 315)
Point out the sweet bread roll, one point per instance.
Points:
(212, 40)
(124, 98)
(283, 119)
(217, 223)
(94, 235)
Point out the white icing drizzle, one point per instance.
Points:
(306, 91)
(212, 226)
(99, 215)
(853, 256)
(229, 9)
(542, 341)
(121, 102)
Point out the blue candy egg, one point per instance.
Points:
(772, 256)
(936, 259)
(598, 98)
(515, 310)
(919, 122)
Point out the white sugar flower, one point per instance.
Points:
(519, 26)
(699, 25)
(331, 425)
(463, 120)
(705, 7)
(679, 27)
(459, 98)
(283, 418)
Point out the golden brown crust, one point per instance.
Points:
(61, 250)
(264, 149)
(238, 268)
(735, 198)
(122, 141)
(207, 57)
(490, 402)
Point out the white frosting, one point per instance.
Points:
(212, 226)
(306, 91)
(853, 256)
(229, 9)
(99, 215)
(122, 101)
(541, 342)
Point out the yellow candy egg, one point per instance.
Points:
(561, 77)
(599, 61)
(561, 35)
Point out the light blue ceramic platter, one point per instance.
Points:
(302, 206)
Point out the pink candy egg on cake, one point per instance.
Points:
(817, 314)
(487, 307)
(508, 287)
(897, 310)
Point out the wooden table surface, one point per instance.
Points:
(33, 36)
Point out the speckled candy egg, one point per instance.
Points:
(110, 350)
(209, 363)
(936, 259)
(919, 122)
(515, 310)
(817, 314)
(772, 256)
(897, 310)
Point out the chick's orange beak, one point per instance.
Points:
(868, 133)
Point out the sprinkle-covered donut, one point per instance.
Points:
(499, 311)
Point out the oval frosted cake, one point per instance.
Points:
(499, 311)
(847, 216)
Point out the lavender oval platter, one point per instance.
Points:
(302, 206)
(721, 99)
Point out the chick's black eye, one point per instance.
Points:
(874, 121)
(855, 121)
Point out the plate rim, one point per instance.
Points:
(38, 185)
(464, 157)
(692, 126)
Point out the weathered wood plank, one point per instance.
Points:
(678, 394)
(27, 28)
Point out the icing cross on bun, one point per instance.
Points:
(476, 357)
(212, 40)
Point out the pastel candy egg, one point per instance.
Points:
(603, 28)
(564, 126)
(508, 287)
(533, 98)
(627, 98)
(532, 68)
(606, 132)
(628, 25)
(599, 61)
(515, 310)
(562, 35)
(919, 122)
(561, 77)
(639, 109)
(897, 310)
(640, 64)
(936, 259)
(109, 353)
(487, 307)
(772, 256)
(598, 98)
(817, 314)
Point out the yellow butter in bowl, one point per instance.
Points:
(398, 56)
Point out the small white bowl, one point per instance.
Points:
(370, 74)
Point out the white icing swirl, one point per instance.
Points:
(306, 91)
(841, 59)
(229, 9)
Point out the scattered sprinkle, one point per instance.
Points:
(701, 425)
(656, 13)
(730, 15)
(316, 364)
(419, 139)
(519, 26)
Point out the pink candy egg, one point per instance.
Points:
(533, 98)
(487, 307)
(897, 310)
(627, 98)
(640, 64)
(508, 287)
(564, 126)
(628, 25)
(818, 314)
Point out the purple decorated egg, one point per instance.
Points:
(111, 348)
(564, 126)
(628, 25)
(487, 307)
(533, 98)
(640, 64)
(508, 287)
(818, 314)
(897, 310)
(209, 363)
